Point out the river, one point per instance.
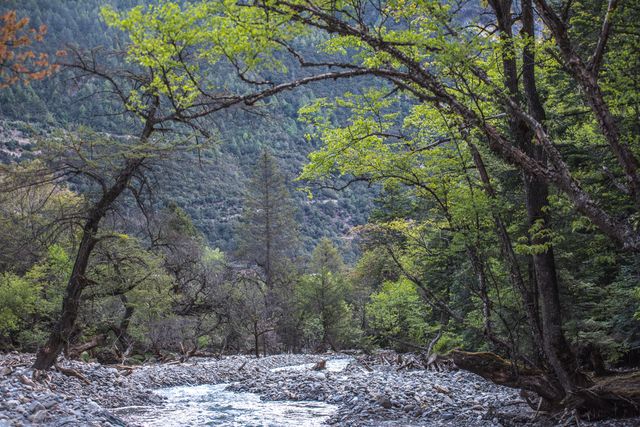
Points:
(212, 405)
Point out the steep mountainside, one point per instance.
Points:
(208, 185)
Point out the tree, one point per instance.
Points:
(164, 90)
(18, 62)
(397, 315)
(268, 238)
(484, 91)
(268, 230)
(42, 215)
(323, 295)
(251, 310)
(436, 61)
(129, 291)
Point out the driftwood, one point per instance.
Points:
(441, 389)
(408, 362)
(126, 370)
(367, 367)
(123, 367)
(75, 351)
(321, 365)
(26, 381)
(72, 373)
(185, 354)
(611, 396)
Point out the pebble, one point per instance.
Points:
(367, 392)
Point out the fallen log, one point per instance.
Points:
(501, 371)
(75, 351)
(72, 373)
(123, 367)
(612, 396)
(124, 370)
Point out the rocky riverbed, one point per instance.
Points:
(363, 391)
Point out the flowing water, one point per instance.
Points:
(212, 405)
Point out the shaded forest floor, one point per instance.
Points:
(369, 391)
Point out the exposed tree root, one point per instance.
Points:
(503, 372)
(612, 396)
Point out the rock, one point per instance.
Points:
(379, 396)
(35, 406)
(385, 402)
(65, 421)
(441, 389)
(39, 416)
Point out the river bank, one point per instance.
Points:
(353, 392)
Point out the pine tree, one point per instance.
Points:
(323, 294)
(268, 238)
(268, 230)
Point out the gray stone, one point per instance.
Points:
(50, 403)
(35, 406)
(65, 421)
(39, 416)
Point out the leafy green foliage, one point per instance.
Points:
(19, 299)
(323, 295)
(398, 316)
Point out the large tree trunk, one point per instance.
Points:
(528, 296)
(48, 353)
(555, 348)
(256, 339)
(122, 330)
(558, 352)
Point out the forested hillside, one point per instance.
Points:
(208, 185)
(475, 173)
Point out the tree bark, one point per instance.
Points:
(555, 348)
(528, 295)
(256, 339)
(59, 336)
(504, 372)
